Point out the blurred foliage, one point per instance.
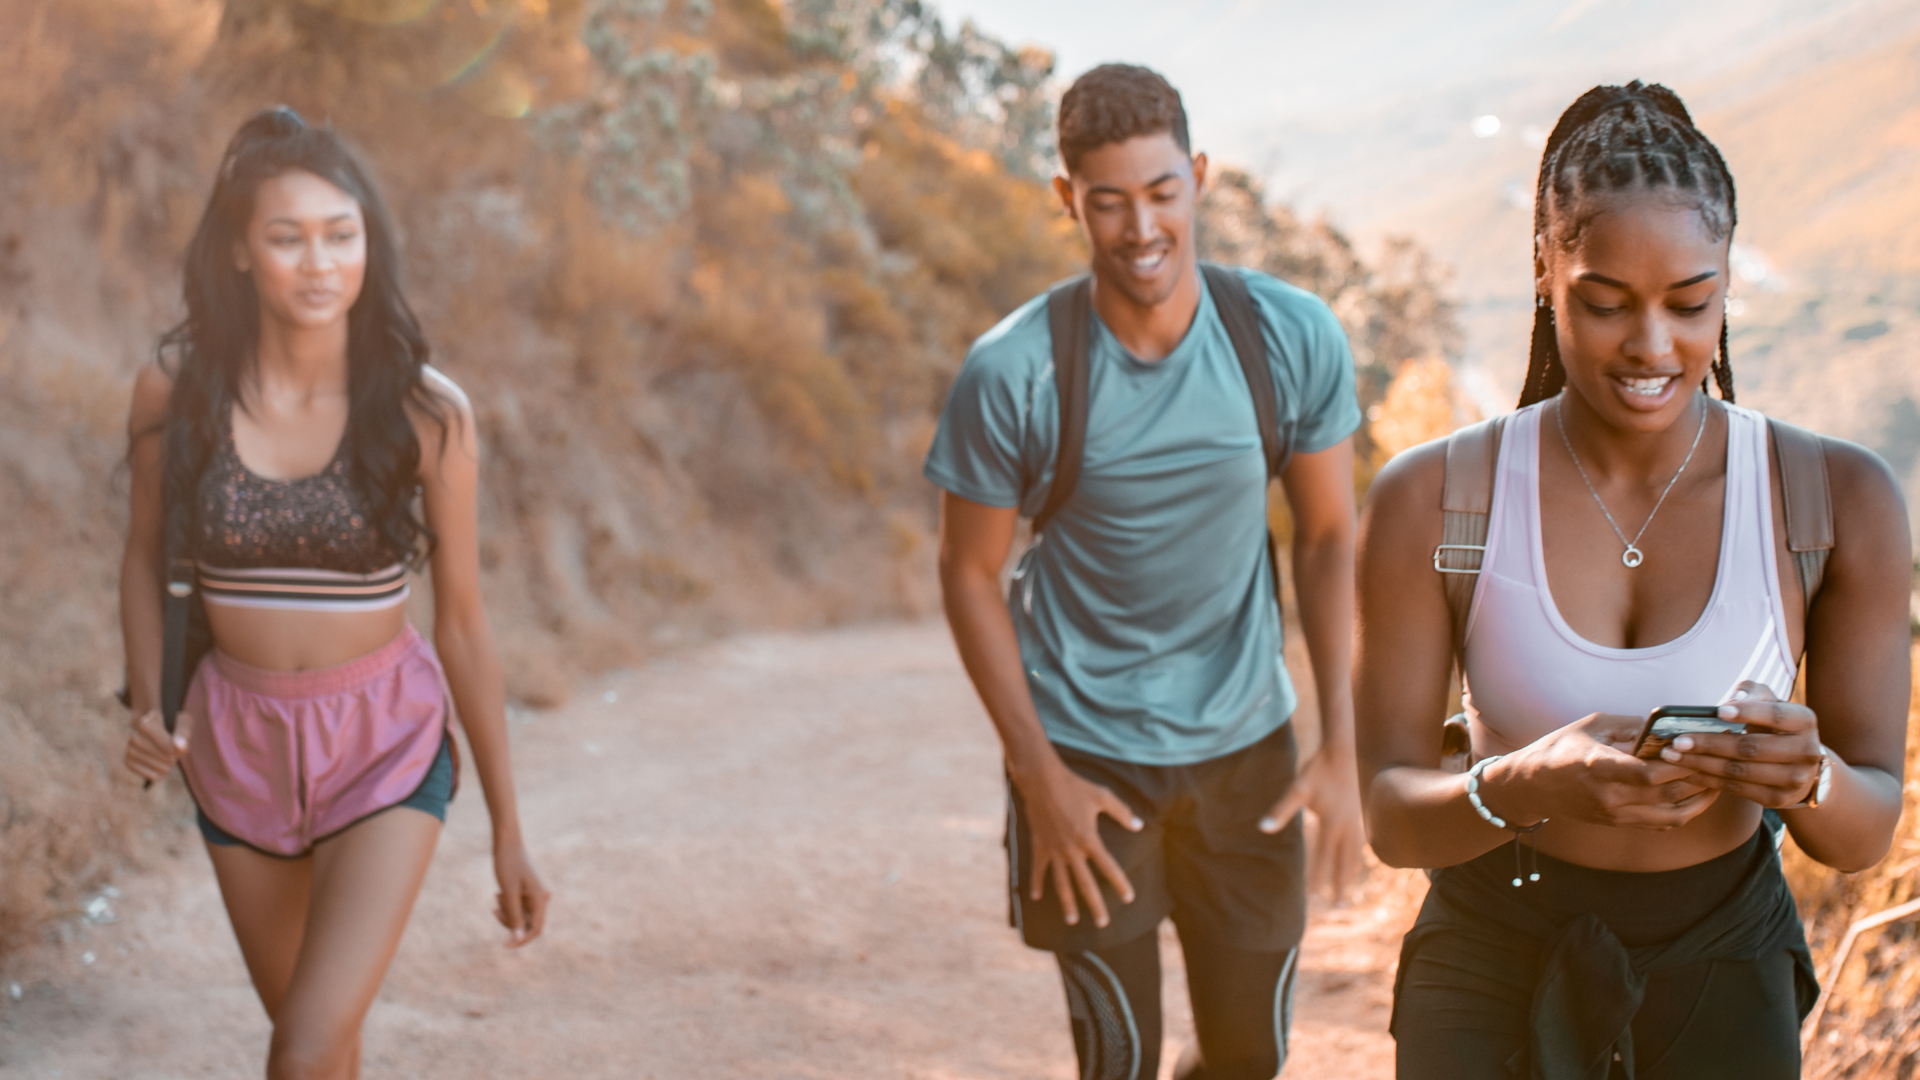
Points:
(829, 186)
(969, 84)
(1421, 404)
(1395, 309)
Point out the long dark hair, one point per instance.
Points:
(1617, 138)
(212, 352)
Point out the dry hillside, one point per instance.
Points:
(705, 266)
(1829, 165)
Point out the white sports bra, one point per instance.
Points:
(1528, 673)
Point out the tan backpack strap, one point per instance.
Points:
(1809, 502)
(1466, 501)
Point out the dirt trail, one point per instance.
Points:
(774, 856)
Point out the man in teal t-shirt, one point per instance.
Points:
(1134, 668)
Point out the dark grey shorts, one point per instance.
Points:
(1201, 859)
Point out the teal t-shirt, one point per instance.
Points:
(1146, 615)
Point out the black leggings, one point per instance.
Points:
(1242, 1006)
(1462, 1009)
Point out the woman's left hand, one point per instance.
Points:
(523, 899)
(1774, 764)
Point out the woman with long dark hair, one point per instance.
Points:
(278, 443)
(1604, 906)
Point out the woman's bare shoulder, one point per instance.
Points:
(1869, 510)
(1856, 470)
(152, 391)
(1417, 470)
(1407, 488)
(444, 388)
(455, 407)
(446, 424)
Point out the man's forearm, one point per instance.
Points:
(1323, 580)
(983, 632)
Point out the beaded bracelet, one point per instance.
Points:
(1473, 792)
(1522, 833)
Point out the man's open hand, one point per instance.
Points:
(1329, 787)
(1063, 818)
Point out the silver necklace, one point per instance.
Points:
(1633, 556)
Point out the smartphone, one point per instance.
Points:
(1669, 722)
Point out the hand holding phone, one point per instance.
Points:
(1669, 722)
(1774, 756)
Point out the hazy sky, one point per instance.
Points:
(1294, 90)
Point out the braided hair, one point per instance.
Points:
(1621, 138)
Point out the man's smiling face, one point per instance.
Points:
(1135, 202)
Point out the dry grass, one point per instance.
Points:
(1871, 1027)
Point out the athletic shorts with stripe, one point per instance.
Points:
(1236, 896)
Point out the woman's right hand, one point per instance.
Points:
(151, 752)
(1586, 772)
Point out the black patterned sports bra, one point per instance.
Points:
(305, 544)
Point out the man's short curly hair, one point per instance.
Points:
(1114, 103)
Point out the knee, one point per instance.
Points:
(307, 1052)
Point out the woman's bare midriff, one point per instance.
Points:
(1725, 825)
(284, 640)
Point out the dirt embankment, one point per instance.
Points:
(778, 856)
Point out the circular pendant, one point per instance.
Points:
(1633, 557)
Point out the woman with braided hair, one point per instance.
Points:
(1597, 913)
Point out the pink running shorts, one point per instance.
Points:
(284, 759)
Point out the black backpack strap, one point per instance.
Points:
(1466, 505)
(173, 640)
(183, 638)
(1809, 502)
(1069, 316)
(1234, 302)
(176, 604)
